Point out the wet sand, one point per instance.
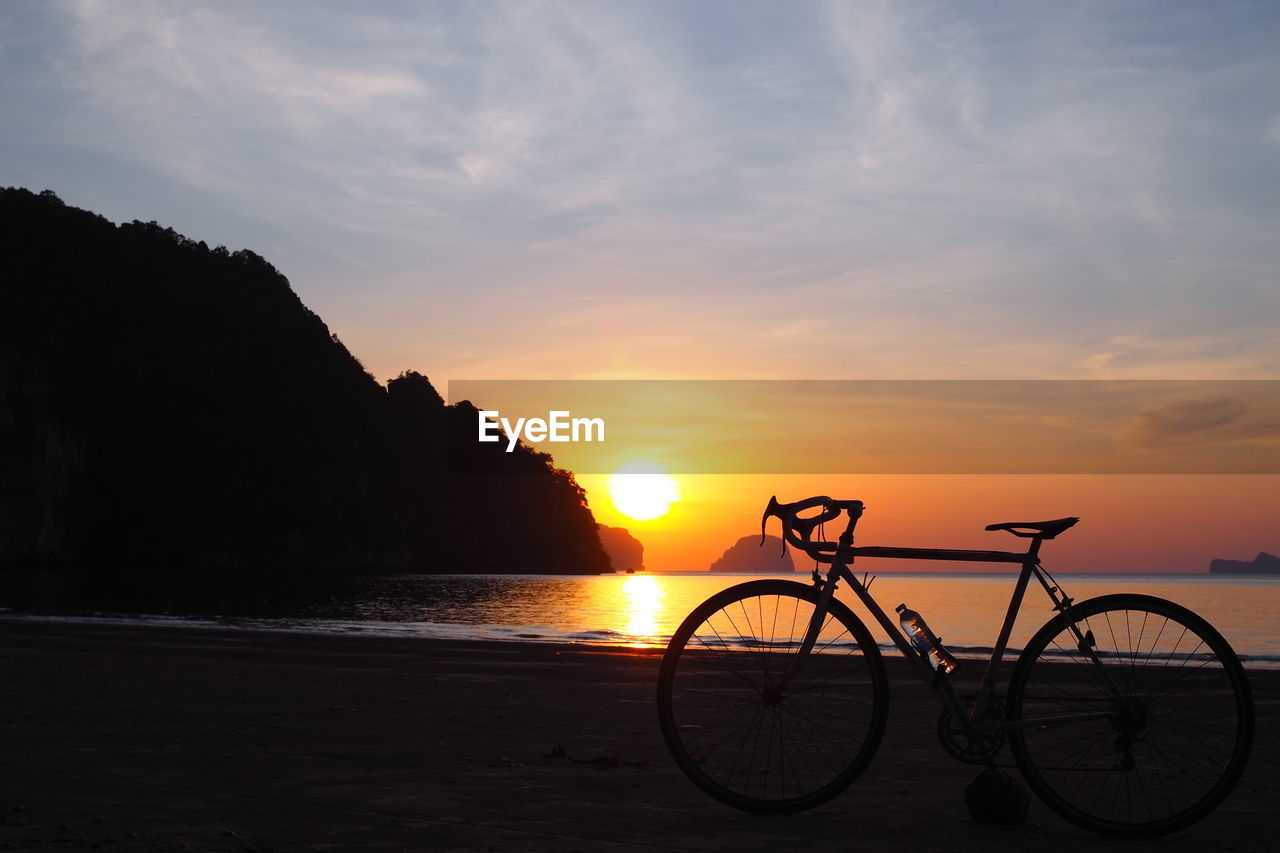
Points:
(122, 738)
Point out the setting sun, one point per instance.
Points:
(643, 491)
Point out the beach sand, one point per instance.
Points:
(127, 738)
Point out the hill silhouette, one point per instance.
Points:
(748, 554)
(173, 419)
(626, 552)
(1263, 564)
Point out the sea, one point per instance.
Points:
(642, 610)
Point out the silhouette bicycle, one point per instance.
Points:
(1126, 714)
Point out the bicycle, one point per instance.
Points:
(1126, 714)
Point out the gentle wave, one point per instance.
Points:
(643, 610)
(490, 633)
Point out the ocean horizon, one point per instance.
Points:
(642, 610)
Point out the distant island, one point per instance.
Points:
(1263, 564)
(748, 555)
(625, 551)
(176, 424)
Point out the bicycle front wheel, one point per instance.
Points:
(1131, 715)
(748, 730)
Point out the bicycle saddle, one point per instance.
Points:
(1031, 529)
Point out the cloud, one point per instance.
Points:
(1190, 355)
(926, 190)
(1201, 422)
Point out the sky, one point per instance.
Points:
(708, 190)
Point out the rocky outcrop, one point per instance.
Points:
(1263, 564)
(748, 555)
(625, 550)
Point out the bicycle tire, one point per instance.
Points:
(769, 752)
(1172, 716)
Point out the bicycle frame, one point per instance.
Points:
(938, 683)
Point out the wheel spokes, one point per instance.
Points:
(753, 728)
(1141, 734)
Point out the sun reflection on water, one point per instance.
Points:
(642, 606)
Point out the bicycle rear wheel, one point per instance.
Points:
(1141, 729)
(737, 732)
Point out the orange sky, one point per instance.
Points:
(1144, 523)
(726, 441)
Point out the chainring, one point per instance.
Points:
(980, 748)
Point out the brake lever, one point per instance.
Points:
(772, 509)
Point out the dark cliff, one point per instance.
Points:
(170, 411)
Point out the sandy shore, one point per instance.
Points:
(120, 738)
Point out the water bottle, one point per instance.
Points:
(913, 625)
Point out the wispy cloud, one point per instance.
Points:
(988, 190)
(1204, 422)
